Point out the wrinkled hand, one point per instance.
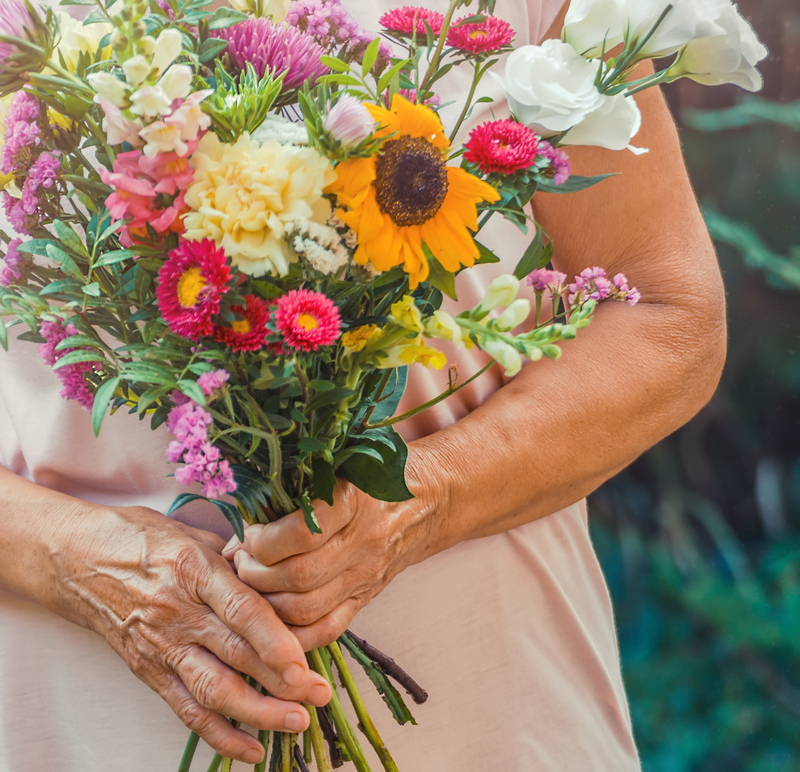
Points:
(172, 608)
(318, 582)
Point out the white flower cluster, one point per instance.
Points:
(320, 245)
(282, 130)
(553, 88)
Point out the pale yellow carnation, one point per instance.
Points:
(77, 38)
(246, 197)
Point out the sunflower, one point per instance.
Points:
(405, 196)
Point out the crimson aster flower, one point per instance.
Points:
(191, 284)
(410, 19)
(503, 147)
(275, 48)
(250, 332)
(307, 319)
(480, 37)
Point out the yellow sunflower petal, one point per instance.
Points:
(352, 176)
(466, 184)
(387, 121)
(419, 121)
(372, 219)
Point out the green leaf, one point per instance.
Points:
(387, 76)
(3, 336)
(530, 258)
(225, 17)
(311, 445)
(391, 395)
(439, 277)
(298, 416)
(101, 400)
(192, 390)
(76, 357)
(93, 289)
(36, 246)
(69, 238)
(328, 398)
(383, 480)
(320, 386)
(68, 265)
(332, 63)
(116, 256)
(211, 48)
(370, 55)
(61, 285)
(232, 515)
(184, 498)
(486, 255)
(90, 186)
(308, 513)
(73, 341)
(323, 480)
(572, 185)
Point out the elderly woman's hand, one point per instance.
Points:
(318, 582)
(163, 597)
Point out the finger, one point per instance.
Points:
(245, 612)
(274, 542)
(235, 651)
(301, 573)
(218, 688)
(213, 728)
(305, 608)
(330, 627)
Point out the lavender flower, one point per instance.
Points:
(560, 167)
(275, 48)
(23, 131)
(212, 381)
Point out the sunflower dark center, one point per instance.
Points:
(410, 180)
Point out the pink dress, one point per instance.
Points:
(512, 635)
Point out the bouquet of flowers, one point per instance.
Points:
(241, 225)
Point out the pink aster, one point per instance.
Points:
(409, 19)
(275, 48)
(307, 319)
(483, 37)
(560, 167)
(191, 284)
(502, 147)
(72, 377)
(250, 332)
(348, 121)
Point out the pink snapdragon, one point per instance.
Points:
(72, 377)
(180, 131)
(117, 127)
(190, 423)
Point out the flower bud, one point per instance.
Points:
(119, 42)
(514, 315)
(349, 122)
(501, 292)
(138, 29)
(146, 45)
(503, 353)
(442, 326)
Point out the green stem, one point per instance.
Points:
(226, 765)
(188, 753)
(287, 747)
(340, 721)
(476, 77)
(434, 63)
(318, 742)
(367, 727)
(435, 401)
(263, 738)
(215, 762)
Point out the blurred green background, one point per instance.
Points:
(700, 538)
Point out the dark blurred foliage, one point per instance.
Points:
(700, 538)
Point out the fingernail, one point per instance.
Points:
(254, 755)
(295, 722)
(231, 545)
(294, 675)
(319, 695)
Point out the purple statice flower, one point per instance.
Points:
(41, 176)
(23, 129)
(560, 167)
(15, 21)
(622, 291)
(333, 28)
(276, 48)
(189, 422)
(72, 377)
(544, 279)
(10, 271)
(15, 214)
(594, 284)
(212, 381)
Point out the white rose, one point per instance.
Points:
(551, 88)
(728, 58)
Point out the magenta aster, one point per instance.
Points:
(307, 319)
(250, 332)
(410, 19)
(191, 284)
(275, 48)
(483, 37)
(503, 147)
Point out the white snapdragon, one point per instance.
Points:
(504, 354)
(136, 70)
(109, 88)
(167, 49)
(177, 82)
(442, 326)
(502, 291)
(514, 315)
(728, 58)
(551, 88)
(117, 127)
(150, 101)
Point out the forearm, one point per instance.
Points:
(560, 429)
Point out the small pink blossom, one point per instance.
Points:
(560, 167)
(72, 377)
(212, 381)
(117, 127)
(10, 272)
(594, 284)
(544, 279)
(348, 121)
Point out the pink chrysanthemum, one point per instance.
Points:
(275, 48)
(483, 37)
(560, 167)
(307, 320)
(250, 332)
(410, 19)
(191, 284)
(502, 147)
(72, 377)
